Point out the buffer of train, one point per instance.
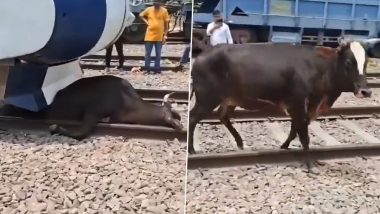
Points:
(40, 47)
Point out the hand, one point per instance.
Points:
(216, 26)
(164, 39)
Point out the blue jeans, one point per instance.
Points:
(148, 52)
(185, 57)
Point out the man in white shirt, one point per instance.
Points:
(218, 31)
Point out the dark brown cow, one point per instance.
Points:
(303, 81)
(92, 99)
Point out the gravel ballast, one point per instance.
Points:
(56, 174)
(344, 187)
(167, 80)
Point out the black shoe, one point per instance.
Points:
(178, 68)
(120, 68)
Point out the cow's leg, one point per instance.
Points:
(88, 125)
(198, 112)
(224, 112)
(301, 122)
(292, 135)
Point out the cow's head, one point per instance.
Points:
(171, 117)
(199, 44)
(353, 63)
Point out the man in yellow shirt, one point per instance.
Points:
(157, 19)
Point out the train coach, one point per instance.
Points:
(43, 40)
(315, 22)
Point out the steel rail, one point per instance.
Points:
(159, 100)
(129, 57)
(259, 115)
(126, 130)
(147, 93)
(233, 159)
(125, 67)
(373, 74)
(373, 83)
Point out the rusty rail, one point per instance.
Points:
(126, 130)
(233, 159)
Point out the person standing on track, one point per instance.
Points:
(218, 31)
(119, 48)
(157, 19)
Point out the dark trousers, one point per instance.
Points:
(119, 48)
(185, 57)
(148, 52)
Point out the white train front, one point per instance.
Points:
(41, 42)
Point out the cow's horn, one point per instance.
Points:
(344, 41)
(166, 98)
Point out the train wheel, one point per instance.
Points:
(136, 32)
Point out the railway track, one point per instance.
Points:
(97, 65)
(156, 95)
(242, 115)
(129, 57)
(373, 75)
(126, 130)
(332, 148)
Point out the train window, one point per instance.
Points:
(282, 7)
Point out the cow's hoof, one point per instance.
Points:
(284, 147)
(191, 151)
(312, 169)
(240, 147)
(53, 128)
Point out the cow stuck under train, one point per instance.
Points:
(302, 81)
(89, 100)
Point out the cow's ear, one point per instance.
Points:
(364, 45)
(342, 42)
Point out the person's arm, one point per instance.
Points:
(229, 36)
(166, 25)
(167, 21)
(143, 16)
(208, 30)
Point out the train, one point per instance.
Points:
(315, 22)
(181, 11)
(42, 41)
